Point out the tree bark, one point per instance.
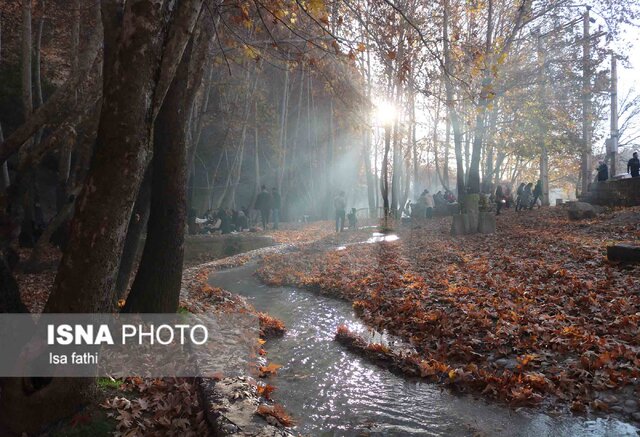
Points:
(156, 288)
(86, 277)
(133, 244)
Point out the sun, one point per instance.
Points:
(385, 112)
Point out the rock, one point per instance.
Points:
(472, 222)
(459, 224)
(230, 428)
(624, 252)
(636, 416)
(630, 405)
(581, 210)
(559, 202)
(486, 223)
(507, 363)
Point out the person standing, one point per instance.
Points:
(500, 199)
(633, 166)
(519, 196)
(340, 205)
(263, 204)
(527, 196)
(603, 172)
(537, 193)
(275, 207)
(428, 199)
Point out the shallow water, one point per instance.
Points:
(331, 391)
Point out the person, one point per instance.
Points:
(275, 207)
(633, 166)
(353, 219)
(508, 197)
(499, 199)
(537, 194)
(263, 204)
(243, 222)
(519, 196)
(449, 196)
(226, 225)
(526, 197)
(427, 201)
(340, 204)
(603, 172)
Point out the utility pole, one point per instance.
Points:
(586, 105)
(544, 154)
(613, 151)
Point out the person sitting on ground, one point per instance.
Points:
(243, 221)
(633, 166)
(603, 172)
(439, 200)
(226, 225)
(449, 196)
(353, 219)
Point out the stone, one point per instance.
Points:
(473, 219)
(624, 252)
(559, 202)
(631, 405)
(486, 223)
(459, 224)
(581, 210)
(507, 363)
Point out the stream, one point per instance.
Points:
(332, 392)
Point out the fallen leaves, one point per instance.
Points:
(276, 412)
(168, 406)
(269, 369)
(533, 312)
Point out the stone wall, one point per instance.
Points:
(621, 192)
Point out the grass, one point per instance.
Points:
(109, 383)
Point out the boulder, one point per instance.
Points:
(459, 224)
(624, 252)
(486, 223)
(581, 210)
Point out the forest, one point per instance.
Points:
(450, 188)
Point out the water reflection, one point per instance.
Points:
(331, 391)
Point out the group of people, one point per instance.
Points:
(225, 220)
(427, 202)
(269, 205)
(340, 205)
(633, 168)
(527, 196)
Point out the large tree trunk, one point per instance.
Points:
(133, 243)
(156, 288)
(86, 277)
(449, 90)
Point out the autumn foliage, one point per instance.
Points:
(532, 314)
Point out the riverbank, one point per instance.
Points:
(177, 406)
(533, 315)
